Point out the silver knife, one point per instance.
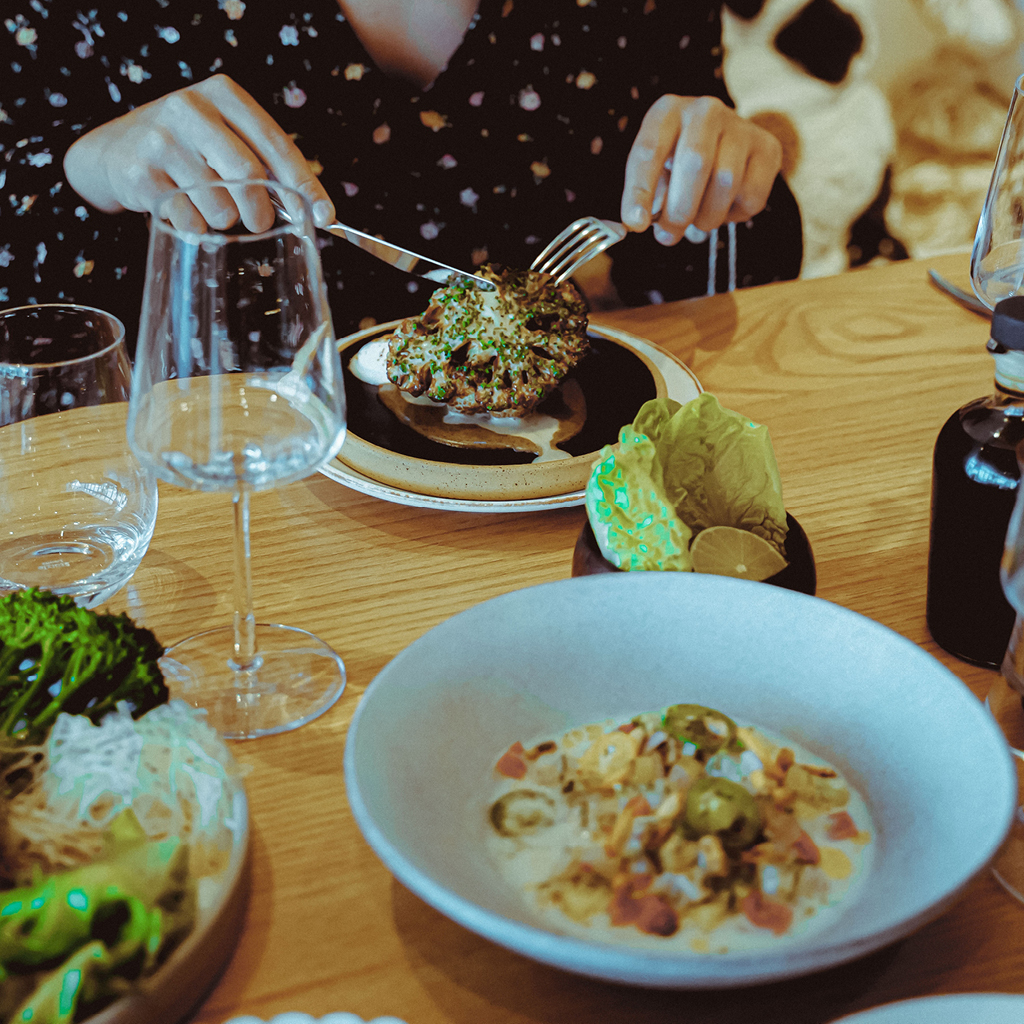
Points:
(404, 259)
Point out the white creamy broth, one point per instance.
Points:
(597, 830)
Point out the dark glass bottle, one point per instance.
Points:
(974, 485)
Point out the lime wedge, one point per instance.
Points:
(730, 551)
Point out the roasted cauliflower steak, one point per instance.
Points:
(498, 352)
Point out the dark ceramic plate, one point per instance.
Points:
(615, 381)
(800, 574)
(619, 374)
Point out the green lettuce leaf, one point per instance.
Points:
(677, 470)
(635, 524)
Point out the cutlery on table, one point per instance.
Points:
(964, 298)
(578, 244)
(403, 259)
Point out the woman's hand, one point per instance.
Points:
(696, 161)
(207, 132)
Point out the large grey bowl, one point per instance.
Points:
(923, 751)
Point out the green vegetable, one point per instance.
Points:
(677, 470)
(82, 935)
(635, 524)
(708, 730)
(55, 656)
(717, 806)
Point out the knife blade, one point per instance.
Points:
(405, 259)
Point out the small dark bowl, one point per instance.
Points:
(800, 574)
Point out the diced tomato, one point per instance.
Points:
(511, 764)
(764, 912)
(648, 912)
(806, 850)
(841, 826)
(656, 916)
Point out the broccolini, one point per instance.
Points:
(55, 656)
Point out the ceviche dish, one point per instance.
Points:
(677, 826)
(119, 811)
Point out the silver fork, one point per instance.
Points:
(578, 244)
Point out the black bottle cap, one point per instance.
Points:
(1008, 322)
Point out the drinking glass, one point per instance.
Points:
(77, 510)
(1006, 697)
(997, 259)
(238, 388)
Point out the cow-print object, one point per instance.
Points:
(745, 8)
(822, 39)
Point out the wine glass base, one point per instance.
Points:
(296, 679)
(1004, 703)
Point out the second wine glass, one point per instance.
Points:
(1006, 697)
(997, 259)
(237, 387)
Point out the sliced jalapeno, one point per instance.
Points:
(522, 812)
(708, 730)
(717, 806)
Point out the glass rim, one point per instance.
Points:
(75, 307)
(224, 237)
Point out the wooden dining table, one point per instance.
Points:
(854, 375)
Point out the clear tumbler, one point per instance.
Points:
(77, 508)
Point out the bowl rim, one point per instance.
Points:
(676, 969)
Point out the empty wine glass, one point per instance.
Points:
(237, 387)
(997, 259)
(1006, 697)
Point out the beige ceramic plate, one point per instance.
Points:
(173, 993)
(388, 460)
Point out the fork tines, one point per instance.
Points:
(580, 242)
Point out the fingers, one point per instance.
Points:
(183, 215)
(710, 165)
(653, 145)
(262, 138)
(197, 135)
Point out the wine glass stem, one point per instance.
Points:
(246, 657)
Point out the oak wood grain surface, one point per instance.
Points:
(854, 376)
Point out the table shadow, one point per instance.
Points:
(459, 532)
(459, 969)
(161, 587)
(222, 1000)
